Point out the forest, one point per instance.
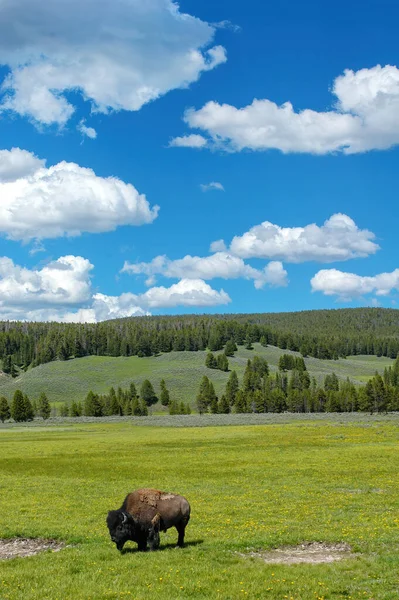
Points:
(324, 334)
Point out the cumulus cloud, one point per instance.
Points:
(89, 132)
(62, 291)
(219, 265)
(17, 163)
(118, 55)
(213, 185)
(218, 246)
(188, 141)
(64, 200)
(338, 239)
(346, 286)
(364, 117)
(187, 292)
(63, 282)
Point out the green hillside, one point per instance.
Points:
(65, 381)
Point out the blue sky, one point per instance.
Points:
(263, 205)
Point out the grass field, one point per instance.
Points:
(182, 371)
(328, 479)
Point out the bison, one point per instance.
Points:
(146, 512)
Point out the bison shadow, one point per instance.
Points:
(162, 547)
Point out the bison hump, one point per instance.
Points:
(149, 496)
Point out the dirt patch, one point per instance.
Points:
(310, 552)
(24, 547)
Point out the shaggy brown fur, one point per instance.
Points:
(168, 510)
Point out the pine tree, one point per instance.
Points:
(203, 398)
(224, 406)
(113, 404)
(74, 410)
(136, 408)
(210, 361)
(165, 396)
(232, 388)
(92, 407)
(5, 412)
(173, 408)
(18, 407)
(43, 407)
(240, 405)
(64, 410)
(143, 408)
(222, 363)
(29, 414)
(230, 348)
(147, 393)
(7, 364)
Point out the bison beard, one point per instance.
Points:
(143, 514)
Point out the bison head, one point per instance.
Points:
(121, 527)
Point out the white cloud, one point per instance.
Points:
(89, 132)
(338, 239)
(213, 185)
(118, 55)
(64, 199)
(187, 292)
(226, 24)
(218, 246)
(62, 291)
(188, 141)
(219, 265)
(274, 275)
(346, 286)
(17, 163)
(64, 282)
(365, 117)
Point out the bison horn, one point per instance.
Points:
(124, 517)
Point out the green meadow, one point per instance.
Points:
(327, 479)
(65, 381)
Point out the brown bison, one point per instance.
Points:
(143, 514)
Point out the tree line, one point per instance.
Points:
(263, 392)
(290, 389)
(324, 334)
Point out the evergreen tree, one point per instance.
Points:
(143, 408)
(213, 400)
(29, 414)
(224, 406)
(64, 410)
(147, 393)
(277, 402)
(210, 361)
(5, 412)
(222, 362)
(230, 348)
(165, 396)
(136, 408)
(113, 407)
(92, 406)
(232, 388)
(240, 405)
(7, 364)
(43, 407)
(173, 408)
(331, 382)
(203, 397)
(75, 410)
(215, 341)
(62, 352)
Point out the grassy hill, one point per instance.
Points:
(65, 381)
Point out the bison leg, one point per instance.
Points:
(181, 528)
(153, 534)
(142, 543)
